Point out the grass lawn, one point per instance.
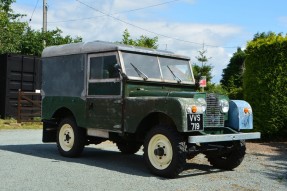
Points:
(12, 124)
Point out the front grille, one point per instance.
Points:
(214, 118)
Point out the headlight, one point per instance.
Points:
(203, 104)
(224, 105)
(199, 107)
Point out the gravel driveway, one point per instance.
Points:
(28, 164)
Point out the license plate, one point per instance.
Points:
(195, 122)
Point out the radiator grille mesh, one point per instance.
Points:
(214, 118)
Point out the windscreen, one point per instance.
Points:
(154, 67)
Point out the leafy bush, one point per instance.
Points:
(265, 83)
(216, 88)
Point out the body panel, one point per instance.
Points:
(238, 119)
(64, 76)
(50, 105)
(104, 113)
(137, 108)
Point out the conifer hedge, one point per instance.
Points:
(265, 83)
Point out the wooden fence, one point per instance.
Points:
(29, 106)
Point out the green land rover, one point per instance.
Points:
(97, 91)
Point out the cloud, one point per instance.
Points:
(198, 33)
(108, 29)
(132, 4)
(155, 4)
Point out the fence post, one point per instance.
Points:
(19, 106)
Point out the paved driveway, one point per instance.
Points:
(28, 164)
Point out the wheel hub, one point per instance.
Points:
(160, 151)
(67, 137)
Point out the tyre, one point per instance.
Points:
(128, 147)
(165, 152)
(228, 160)
(70, 138)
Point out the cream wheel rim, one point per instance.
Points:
(66, 137)
(160, 151)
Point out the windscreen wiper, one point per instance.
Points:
(174, 76)
(140, 73)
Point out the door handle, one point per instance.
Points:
(118, 101)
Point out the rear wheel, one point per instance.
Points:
(128, 147)
(70, 138)
(164, 151)
(228, 160)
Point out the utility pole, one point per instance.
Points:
(44, 30)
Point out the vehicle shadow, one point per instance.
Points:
(194, 169)
(106, 159)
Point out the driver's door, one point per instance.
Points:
(104, 90)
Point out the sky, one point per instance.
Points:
(182, 26)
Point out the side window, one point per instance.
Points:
(103, 67)
(103, 77)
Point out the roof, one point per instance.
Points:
(101, 46)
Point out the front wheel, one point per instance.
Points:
(231, 159)
(164, 152)
(70, 138)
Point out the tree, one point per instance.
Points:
(32, 40)
(232, 76)
(265, 83)
(143, 41)
(5, 7)
(216, 88)
(11, 28)
(203, 70)
(18, 37)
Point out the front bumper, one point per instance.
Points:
(223, 137)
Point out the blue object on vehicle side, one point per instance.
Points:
(240, 115)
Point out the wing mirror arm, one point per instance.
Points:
(119, 69)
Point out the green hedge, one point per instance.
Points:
(265, 83)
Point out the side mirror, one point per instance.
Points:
(118, 68)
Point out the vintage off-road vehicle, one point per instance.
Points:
(97, 91)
